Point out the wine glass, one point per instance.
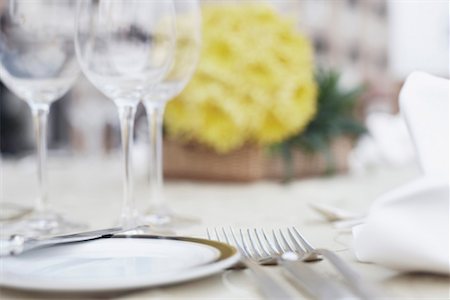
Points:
(124, 48)
(187, 48)
(38, 64)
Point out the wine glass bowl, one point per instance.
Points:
(124, 47)
(186, 52)
(37, 60)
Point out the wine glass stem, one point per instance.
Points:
(126, 115)
(155, 112)
(40, 117)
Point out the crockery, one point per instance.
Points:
(117, 263)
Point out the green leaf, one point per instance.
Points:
(334, 118)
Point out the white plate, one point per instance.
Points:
(118, 263)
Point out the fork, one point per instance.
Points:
(268, 285)
(285, 254)
(309, 254)
(309, 280)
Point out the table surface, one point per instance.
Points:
(81, 187)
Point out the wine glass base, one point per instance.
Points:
(167, 219)
(11, 211)
(39, 224)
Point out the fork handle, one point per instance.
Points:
(271, 288)
(361, 287)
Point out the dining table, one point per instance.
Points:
(88, 189)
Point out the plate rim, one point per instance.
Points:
(228, 256)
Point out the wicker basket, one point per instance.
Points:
(307, 165)
(250, 163)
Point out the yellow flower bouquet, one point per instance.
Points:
(256, 88)
(254, 83)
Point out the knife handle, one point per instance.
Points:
(315, 284)
(361, 287)
(269, 286)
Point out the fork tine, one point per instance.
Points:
(227, 240)
(217, 234)
(307, 246)
(257, 252)
(271, 287)
(272, 249)
(244, 243)
(233, 236)
(297, 245)
(277, 243)
(285, 242)
(240, 248)
(208, 234)
(267, 253)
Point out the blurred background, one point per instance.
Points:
(361, 53)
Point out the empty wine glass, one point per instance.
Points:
(125, 47)
(187, 48)
(38, 63)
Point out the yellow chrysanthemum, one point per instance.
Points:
(254, 81)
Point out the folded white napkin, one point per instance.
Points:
(424, 103)
(387, 142)
(408, 228)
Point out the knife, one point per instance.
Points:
(17, 244)
(315, 284)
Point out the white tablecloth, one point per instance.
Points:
(90, 190)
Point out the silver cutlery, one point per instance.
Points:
(308, 253)
(334, 214)
(341, 219)
(17, 244)
(270, 287)
(278, 251)
(279, 248)
(258, 249)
